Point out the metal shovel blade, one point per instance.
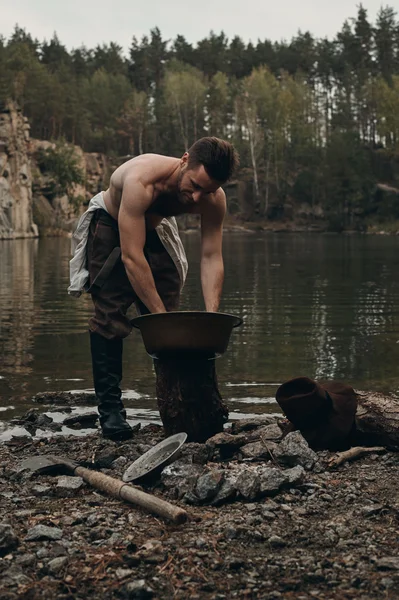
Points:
(156, 458)
(47, 464)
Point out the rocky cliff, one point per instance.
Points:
(57, 213)
(16, 219)
(29, 207)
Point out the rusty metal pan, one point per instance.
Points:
(155, 459)
(186, 334)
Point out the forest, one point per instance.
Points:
(315, 121)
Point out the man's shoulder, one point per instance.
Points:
(216, 201)
(148, 168)
(214, 206)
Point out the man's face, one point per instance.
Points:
(194, 184)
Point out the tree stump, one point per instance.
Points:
(377, 420)
(189, 399)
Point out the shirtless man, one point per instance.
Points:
(134, 214)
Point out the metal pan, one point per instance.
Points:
(186, 334)
(156, 458)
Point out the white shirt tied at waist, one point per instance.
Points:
(79, 275)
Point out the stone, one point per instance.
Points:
(295, 475)
(271, 481)
(26, 560)
(258, 450)
(83, 420)
(226, 440)
(14, 576)
(43, 552)
(37, 418)
(294, 450)
(119, 462)
(247, 483)
(105, 457)
(56, 550)
(94, 519)
(137, 590)
(123, 573)
(250, 424)
(208, 485)
(227, 491)
(41, 490)
(195, 453)
(270, 433)
(68, 486)
(276, 541)
(180, 478)
(57, 564)
(43, 532)
(374, 509)
(270, 505)
(8, 539)
(269, 516)
(236, 563)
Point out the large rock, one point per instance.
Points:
(206, 488)
(43, 532)
(248, 484)
(68, 486)
(250, 424)
(8, 540)
(294, 450)
(180, 478)
(271, 480)
(258, 450)
(227, 491)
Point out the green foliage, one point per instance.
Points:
(62, 165)
(314, 120)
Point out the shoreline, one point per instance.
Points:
(319, 533)
(239, 226)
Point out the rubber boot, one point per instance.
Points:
(107, 375)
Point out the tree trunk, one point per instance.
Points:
(189, 399)
(377, 420)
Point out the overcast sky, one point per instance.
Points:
(92, 22)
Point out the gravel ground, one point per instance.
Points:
(267, 519)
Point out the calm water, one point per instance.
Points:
(324, 306)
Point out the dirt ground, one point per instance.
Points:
(334, 534)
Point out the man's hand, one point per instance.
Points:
(212, 269)
(136, 198)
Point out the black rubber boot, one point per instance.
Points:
(107, 375)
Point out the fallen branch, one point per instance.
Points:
(352, 454)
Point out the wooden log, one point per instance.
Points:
(189, 399)
(377, 420)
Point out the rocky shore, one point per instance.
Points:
(268, 518)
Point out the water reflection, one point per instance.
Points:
(321, 306)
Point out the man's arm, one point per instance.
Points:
(136, 198)
(212, 270)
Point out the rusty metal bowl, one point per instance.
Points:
(156, 458)
(186, 334)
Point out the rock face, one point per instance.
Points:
(27, 205)
(57, 214)
(16, 219)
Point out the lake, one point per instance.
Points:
(322, 306)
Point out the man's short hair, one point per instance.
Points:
(219, 158)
